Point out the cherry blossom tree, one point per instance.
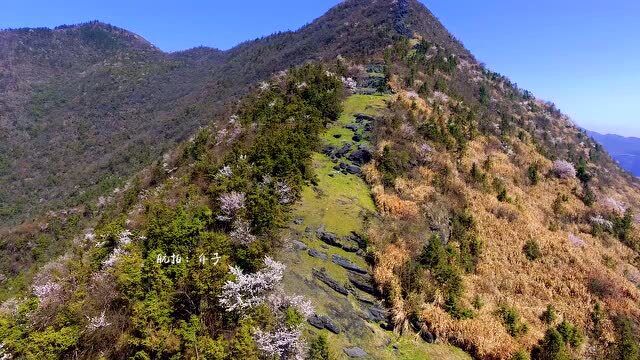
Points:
(564, 169)
(250, 290)
(281, 344)
(241, 233)
(230, 204)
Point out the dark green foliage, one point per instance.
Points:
(392, 164)
(570, 334)
(441, 261)
(581, 172)
(196, 148)
(597, 319)
(477, 302)
(502, 195)
(242, 344)
(588, 196)
(520, 355)
(477, 175)
(532, 174)
(623, 225)
(175, 230)
(511, 320)
(531, 250)
(463, 231)
(627, 342)
(549, 315)
(552, 347)
(483, 95)
(319, 348)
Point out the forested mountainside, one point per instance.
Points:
(100, 96)
(390, 199)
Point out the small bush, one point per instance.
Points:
(627, 346)
(520, 355)
(511, 320)
(533, 175)
(531, 250)
(319, 348)
(552, 347)
(549, 315)
(570, 334)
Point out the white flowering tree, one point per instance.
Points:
(564, 169)
(230, 204)
(241, 233)
(98, 322)
(247, 291)
(123, 240)
(250, 290)
(285, 192)
(281, 344)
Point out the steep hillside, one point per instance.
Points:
(625, 150)
(392, 198)
(100, 96)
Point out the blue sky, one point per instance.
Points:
(582, 55)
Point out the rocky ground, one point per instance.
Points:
(326, 253)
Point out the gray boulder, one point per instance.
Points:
(331, 283)
(339, 260)
(360, 157)
(317, 254)
(298, 245)
(363, 282)
(324, 322)
(343, 150)
(328, 238)
(352, 169)
(355, 352)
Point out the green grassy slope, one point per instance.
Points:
(342, 203)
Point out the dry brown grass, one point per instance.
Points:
(571, 278)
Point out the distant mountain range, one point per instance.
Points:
(625, 150)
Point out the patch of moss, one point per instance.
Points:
(337, 202)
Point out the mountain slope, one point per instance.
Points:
(625, 150)
(368, 204)
(100, 96)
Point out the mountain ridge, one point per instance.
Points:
(112, 60)
(421, 193)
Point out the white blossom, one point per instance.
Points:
(225, 171)
(221, 135)
(230, 204)
(601, 222)
(279, 301)
(123, 240)
(349, 84)
(241, 233)
(614, 206)
(89, 235)
(3, 354)
(46, 291)
(250, 290)
(98, 322)
(407, 130)
(284, 191)
(281, 344)
(576, 241)
(564, 169)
